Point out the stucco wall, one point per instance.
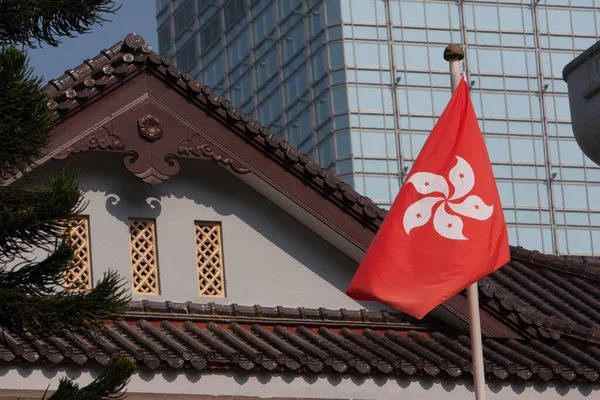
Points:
(285, 385)
(270, 258)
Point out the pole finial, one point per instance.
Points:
(453, 52)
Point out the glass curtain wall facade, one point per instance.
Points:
(359, 84)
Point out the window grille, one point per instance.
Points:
(144, 260)
(79, 275)
(209, 259)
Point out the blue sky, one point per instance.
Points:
(137, 16)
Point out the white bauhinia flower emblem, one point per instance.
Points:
(448, 225)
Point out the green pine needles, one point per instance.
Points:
(32, 218)
(112, 380)
(25, 119)
(30, 21)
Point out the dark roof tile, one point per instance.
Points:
(577, 266)
(298, 348)
(553, 294)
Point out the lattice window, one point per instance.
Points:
(209, 259)
(79, 276)
(144, 261)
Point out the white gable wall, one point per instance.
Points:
(270, 258)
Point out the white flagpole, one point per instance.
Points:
(454, 54)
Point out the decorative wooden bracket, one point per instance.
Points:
(197, 146)
(152, 152)
(101, 139)
(152, 170)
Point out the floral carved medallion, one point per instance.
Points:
(150, 128)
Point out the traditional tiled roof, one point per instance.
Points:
(555, 294)
(301, 341)
(81, 85)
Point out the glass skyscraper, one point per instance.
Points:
(358, 85)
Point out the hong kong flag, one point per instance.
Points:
(445, 230)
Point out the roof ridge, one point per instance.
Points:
(93, 76)
(569, 264)
(272, 312)
(86, 68)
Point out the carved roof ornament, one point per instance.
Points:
(150, 128)
(133, 42)
(101, 139)
(198, 147)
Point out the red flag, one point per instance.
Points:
(446, 229)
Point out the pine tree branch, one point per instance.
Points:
(25, 119)
(52, 310)
(39, 278)
(32, 294)
(111, 381)
(34, 218)
(25, 22)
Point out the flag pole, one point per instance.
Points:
(454, 54)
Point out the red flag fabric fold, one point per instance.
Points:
(445, 229)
